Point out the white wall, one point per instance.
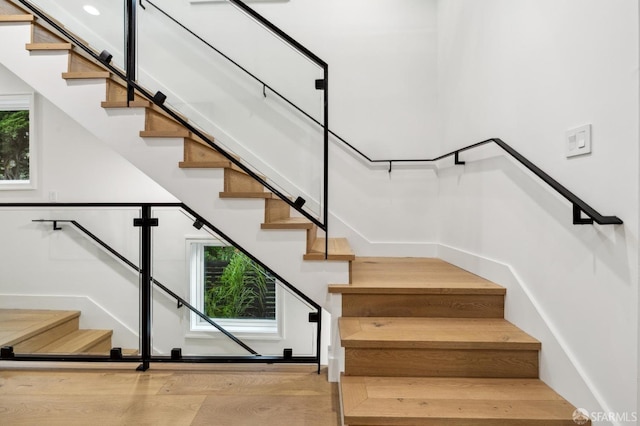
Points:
(526, 71)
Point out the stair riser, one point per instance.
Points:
(46, 337)
(441, 363)
(235, 181)
(422, 305)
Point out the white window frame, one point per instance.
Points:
(260, 329)
(22, 102)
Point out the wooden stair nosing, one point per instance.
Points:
(420, 288)
(80, 341)
(289, 223)
(48, 46)
(85, 75)
(17, 18)
(245, 195)
(451, 401)
(125, 104)
(165, 133)
(434, 333)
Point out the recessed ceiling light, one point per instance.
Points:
(91, 10)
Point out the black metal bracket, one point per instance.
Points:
(198, 224)
(55, 226)
(143, 367)
(299, 202)
(115, 353)
(287, 353)
(7, 352)
(390, 166)
(456, 158)
(179, 304)
(159, 98)
(141, 5)
(176, 354)
(105, 57)
(320, 84)
(138, 222)
(264, 90)
(313, 317)
(577, 217)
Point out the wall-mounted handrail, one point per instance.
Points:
(164, 288)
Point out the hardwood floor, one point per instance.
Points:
(220, 395)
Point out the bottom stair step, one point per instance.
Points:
(452, 401)
(81, 341)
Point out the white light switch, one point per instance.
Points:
(578, 141)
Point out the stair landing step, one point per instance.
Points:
(408, 275)
(80, 341)
(17, 325)
(434, 333)
(339, 249)
(452, 401)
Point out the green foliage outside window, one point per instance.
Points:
(237, 287)
(14, 145)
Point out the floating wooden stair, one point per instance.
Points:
(426, 344)
(50, 332)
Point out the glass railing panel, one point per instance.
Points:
(270, 136)
(262, 316)
(100, 23)
(51, 268)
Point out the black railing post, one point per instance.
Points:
(145, 222)
(130, 46)
(326, 161)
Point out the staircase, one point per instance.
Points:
(426, 343)
(50, 332)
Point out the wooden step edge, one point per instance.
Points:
(204, 164)
(165, 133)
(339, 250)
(245, 195)
(452, 401)
(58, 318)
(80, 341)
(289, 223)
(434, 333)
(391, 289)
(48, 46)
(85, 75)
(17, 18)
(125, 104)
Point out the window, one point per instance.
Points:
(230, 288)
(17, 159)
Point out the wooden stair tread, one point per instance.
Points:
(434, 333)
(339, 249)
(183, 133)
(205, 164)
(79, 75)
(125, 104)
(288, 223)
(17, 18)
(77, 342)
(17, 325)
(48, 46)
(448, 401)
(246, 195)
(413, 275)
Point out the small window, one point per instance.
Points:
(231, 289)
(17, 154)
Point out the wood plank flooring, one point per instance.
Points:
(115, 394)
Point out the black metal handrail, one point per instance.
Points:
(147, 221)
(180, 300)
(158, 99)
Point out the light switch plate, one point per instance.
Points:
(578, 141)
